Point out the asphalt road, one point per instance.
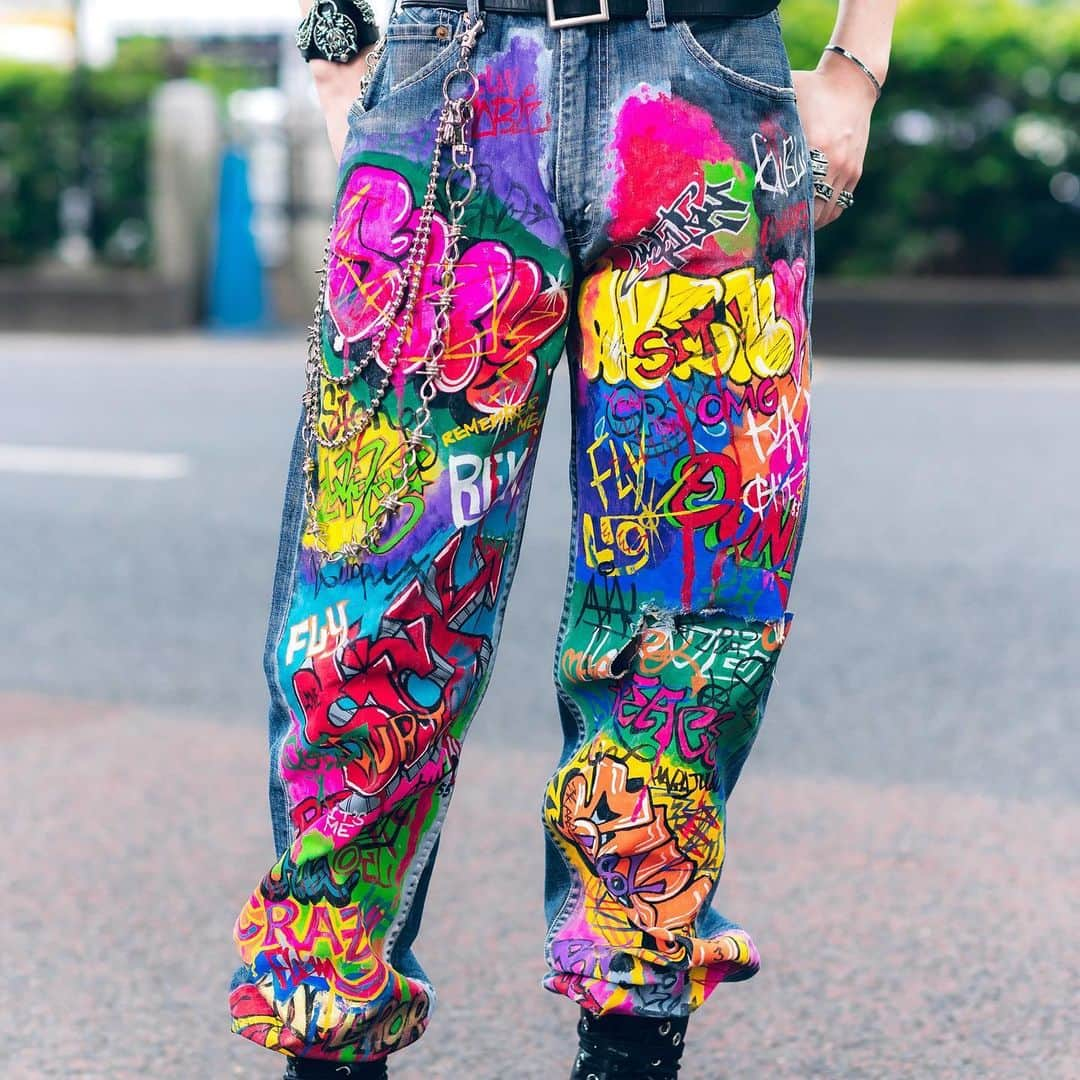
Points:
(902, 844)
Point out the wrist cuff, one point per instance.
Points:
(336, 30)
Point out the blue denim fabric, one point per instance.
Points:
(644, 206)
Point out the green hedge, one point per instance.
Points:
(977, 120)
(973, 129)
(50, 118)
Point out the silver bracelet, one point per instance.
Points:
(858, 63)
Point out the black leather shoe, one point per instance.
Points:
(312, 1069)
(629, 1047)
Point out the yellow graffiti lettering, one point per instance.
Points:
(674, 325)
(766, 343)
(353, 479)
(615, 545)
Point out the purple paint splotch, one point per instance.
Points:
(511, 125)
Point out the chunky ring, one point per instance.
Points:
(819, 163)
(845, 199)
(823, 190)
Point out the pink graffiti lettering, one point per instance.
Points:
(502, 310)
(504, 108)
(384, 701)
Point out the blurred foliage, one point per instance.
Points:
(52, 119)
(972, 168)
(974, 156)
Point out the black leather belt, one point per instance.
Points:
(578, 12)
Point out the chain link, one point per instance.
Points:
(453, 130)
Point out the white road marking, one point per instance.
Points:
(73, 461)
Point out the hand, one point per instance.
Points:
(337, 86)
(835, 101)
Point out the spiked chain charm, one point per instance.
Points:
(453, 130)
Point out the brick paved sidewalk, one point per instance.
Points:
(906, 931)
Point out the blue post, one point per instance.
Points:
(238, 299)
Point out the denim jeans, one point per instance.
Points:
(644, 205)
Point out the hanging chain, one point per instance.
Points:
(453, 129)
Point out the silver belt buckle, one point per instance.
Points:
(576, 20)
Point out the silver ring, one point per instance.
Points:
(823, 190)
(845, 199)
(819, 163)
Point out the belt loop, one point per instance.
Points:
(474, 11)
(657, 16)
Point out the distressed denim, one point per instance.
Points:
(644, 207)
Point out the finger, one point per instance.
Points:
(846, 182)
(839, 180)
(818, 205)
(823, 205)
(830, 205)
(819, 208)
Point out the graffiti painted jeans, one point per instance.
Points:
(644, 208)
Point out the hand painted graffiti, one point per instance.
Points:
(313, 1022)
(644, 418)
(639, 809)
(699, 212)
(655, 714)
(661, 144)
(354, 477)
(737, 325)
(382, 702)
(502, 311)
(309, 882)
(599, 981)
(368, 850)
(506, 106)
(704, 495)
(622, 468)
(618, 543)
(580, 956)
(610, 817)
(524, 416)
(607, 603)
(757, 520)
(791, 219)
(778, 166)
(316, 640)
(519, 203)
(282, 936)
(728, 462)
(476, 482)
(690, 390)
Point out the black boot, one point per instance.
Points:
(628, 1047)
(313, 1069)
